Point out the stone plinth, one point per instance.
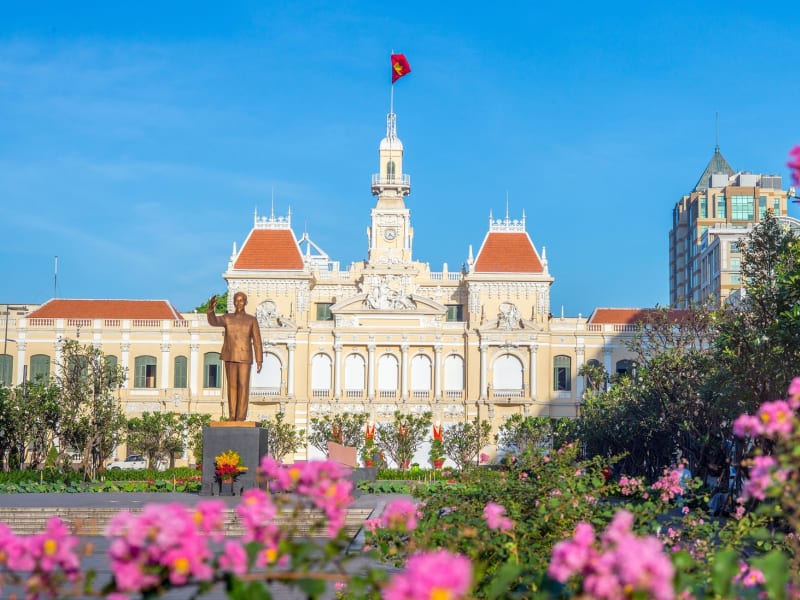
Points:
(251, 444)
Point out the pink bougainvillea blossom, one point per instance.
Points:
(794, 164)
(324, 483)
(776, 418)
(495, 517)
(669, 485)
(622, 564)
(399, 515)
(762, 475)
(431, 575)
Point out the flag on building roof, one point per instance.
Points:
(400, 66)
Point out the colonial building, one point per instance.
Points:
(384, 334)
(707, 225)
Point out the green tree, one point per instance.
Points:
(464, 441)
(158, 436)
(519, 434)
(29, 416)
(595, 376)
(194, 434)
(401, 438)
(282, 438)
(758, 345)
(92, 421)
(347, 429)
(221, 306)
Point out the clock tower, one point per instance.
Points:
(390, 234)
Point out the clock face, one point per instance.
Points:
(389, 233)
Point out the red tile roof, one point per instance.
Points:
(270, 250)
(508, 253)
(632, 316)
(60, 308)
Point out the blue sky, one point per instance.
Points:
(137, 139)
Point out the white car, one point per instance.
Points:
(134, 461)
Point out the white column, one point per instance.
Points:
(533, 348)
(59, 356)
(483, 348)
(579, 357)
(337, 370)
(165, 382)
(437, 372)
(194, 375)
(290, 376)
(124, 359)
(607, 359)
(20, 359)
(404, 372)
(370, 371)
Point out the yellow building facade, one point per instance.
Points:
(385, 334)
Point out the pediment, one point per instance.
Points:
(414, 304)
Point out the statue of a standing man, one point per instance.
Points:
(242, 338)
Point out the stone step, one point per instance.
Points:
(93, 521)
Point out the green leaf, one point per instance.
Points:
(501, 582)
(776, 573)
(313, 588)
(723, 569)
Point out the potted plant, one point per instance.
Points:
(436, 455)
(368, 453)
(227, 467)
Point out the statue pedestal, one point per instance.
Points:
(251, 444)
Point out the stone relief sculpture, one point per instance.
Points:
(267, 315)
(383, 297)
(508, 317)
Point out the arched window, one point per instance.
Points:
(390, 170)
(144, 372)
(454, 373)
(626, 367)
(354, 372)
(180, 372)
(40, 367)
(6, 369)
(562, 376)
(270, 376)
(112, 378)
(321, 373)
(507, 373)
(212, 370)
(420, 373)
(387, 373)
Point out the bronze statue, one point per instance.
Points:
(242, 337)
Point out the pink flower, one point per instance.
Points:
(572, 556)
(776, 417)
(794, 164)
(399, 515)
(431, 575)
(495, 517)
(165, 542)
(324, 483)
(747, 425)
(233, 558)
(484, 457)
(257, 513)
(748, 576)
(669, 485)
(763, 474)
(623, 564)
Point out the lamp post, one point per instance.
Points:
(7, 312)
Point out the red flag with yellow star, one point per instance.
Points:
(400, 66)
